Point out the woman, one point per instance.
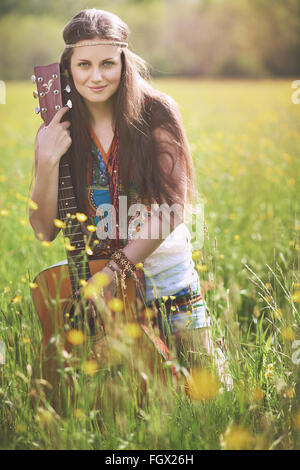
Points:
(120, 125)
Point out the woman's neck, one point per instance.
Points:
(100, 112)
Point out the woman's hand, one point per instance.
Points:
(96, 284)
(54, 140)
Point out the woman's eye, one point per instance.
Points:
(107, 63)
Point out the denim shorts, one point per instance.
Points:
(185, 310)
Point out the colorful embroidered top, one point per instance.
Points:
(100, 168)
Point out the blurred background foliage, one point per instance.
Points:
(211, 38)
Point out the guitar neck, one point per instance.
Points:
(73, 234)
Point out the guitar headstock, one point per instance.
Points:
(49, 90)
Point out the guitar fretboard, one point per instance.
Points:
(73, 234)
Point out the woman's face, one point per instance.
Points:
(93, 67)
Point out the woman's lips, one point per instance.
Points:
(95, 89)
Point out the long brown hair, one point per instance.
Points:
(138, 109)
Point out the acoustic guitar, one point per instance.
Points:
(62, 312)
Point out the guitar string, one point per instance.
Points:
(63, 214)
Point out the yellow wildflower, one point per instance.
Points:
(202, 385)
(45, 243)
(91, 228)
(81, 217)
(291, 181)
(90, 367)
(4, 213)
(296, 296)
(288, 333)
(270, 371)
(68, 245)
(197, 254)
(236, 438)
(202, 267)
(22, 221)
(139, 266)
(33, 205)
(90, 290)
(236, 237)
(44, 417)
(75, 337)
(20, 428)
(6, 289)
(116, 305)
(290, 392)
(287, 157)
(277, 313)
(78, 413)
(17, 299)
(88, 250)
(132, 330)
(101, 279)
(297, 420)
(33, 285)
(59, 223)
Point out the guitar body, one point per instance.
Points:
(54, 301)
(126, 340)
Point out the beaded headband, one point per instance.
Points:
(111, 43)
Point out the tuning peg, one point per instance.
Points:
(35, 94)
(33, 78)
(69, 104)
(37, 110)
(68, 89)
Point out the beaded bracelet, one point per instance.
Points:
(127, 267)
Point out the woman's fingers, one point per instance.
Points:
(65, 124)
(58, 116)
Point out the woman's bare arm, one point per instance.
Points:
(45, 194)
(51, 144)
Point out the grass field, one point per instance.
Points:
(244, 138)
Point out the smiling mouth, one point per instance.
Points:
(96, 88)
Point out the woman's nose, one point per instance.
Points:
(96, 74)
